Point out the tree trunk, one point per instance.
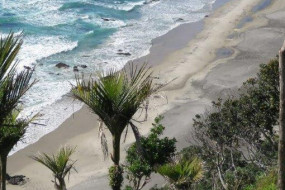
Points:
(116, 176)
(62, 184)
(3, 171)
(0, 175)
(281, 146)
(116, 149)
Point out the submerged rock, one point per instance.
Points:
(75, 69)
(62, 65)
(179, 20)
(27, 67)
(107, 19)
(83, 66)
(150, 1)
(122, 53)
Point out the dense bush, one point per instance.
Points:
(266, 181)
(236, 137)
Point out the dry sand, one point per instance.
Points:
(223, 55)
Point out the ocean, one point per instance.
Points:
(84, 32)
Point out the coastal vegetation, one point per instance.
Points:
(156, 151)
(13, 85)
(115, 97)
(181, 173)
(60, 164)
(236, 139)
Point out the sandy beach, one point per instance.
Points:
(226, 50)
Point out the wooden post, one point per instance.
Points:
(281, 145)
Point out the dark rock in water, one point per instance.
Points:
(179, 19)
(83, 66)
(150, 1)
(62, 65)
(27, 67)
(120, 50)
(75, 69)
(41, 64)
(122, 53)
(206, 16)
(107, 19)
(51, 73)
(16, 180)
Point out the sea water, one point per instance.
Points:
(83, 32)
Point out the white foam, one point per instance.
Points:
(129, 5)
(37, 47)
(126, 6)
(135, 37)
(40, 12)
(51, 118)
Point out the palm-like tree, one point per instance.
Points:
(60, 164)
(182, 173)
(115, 98)
(13, 86)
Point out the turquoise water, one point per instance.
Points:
(89, 32)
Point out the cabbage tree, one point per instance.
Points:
(13, 85)
(115, 97)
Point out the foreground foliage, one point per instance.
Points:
(236, 137)
(60, 164)
(156, 151)
(182, 172)
(115, 98)
(13, 86)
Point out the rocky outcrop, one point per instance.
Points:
(16, 180)
(124, 53)
(107, 19)
(62, 65)
(27, 67)
(179, 20)
(150, 1)
(75, 69)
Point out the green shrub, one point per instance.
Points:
(155, 151)
(182, 173)
(116, 176)
(236, 136)
(268, 181)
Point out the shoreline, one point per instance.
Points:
(175, 39)
(185, 96)
(161, 46)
